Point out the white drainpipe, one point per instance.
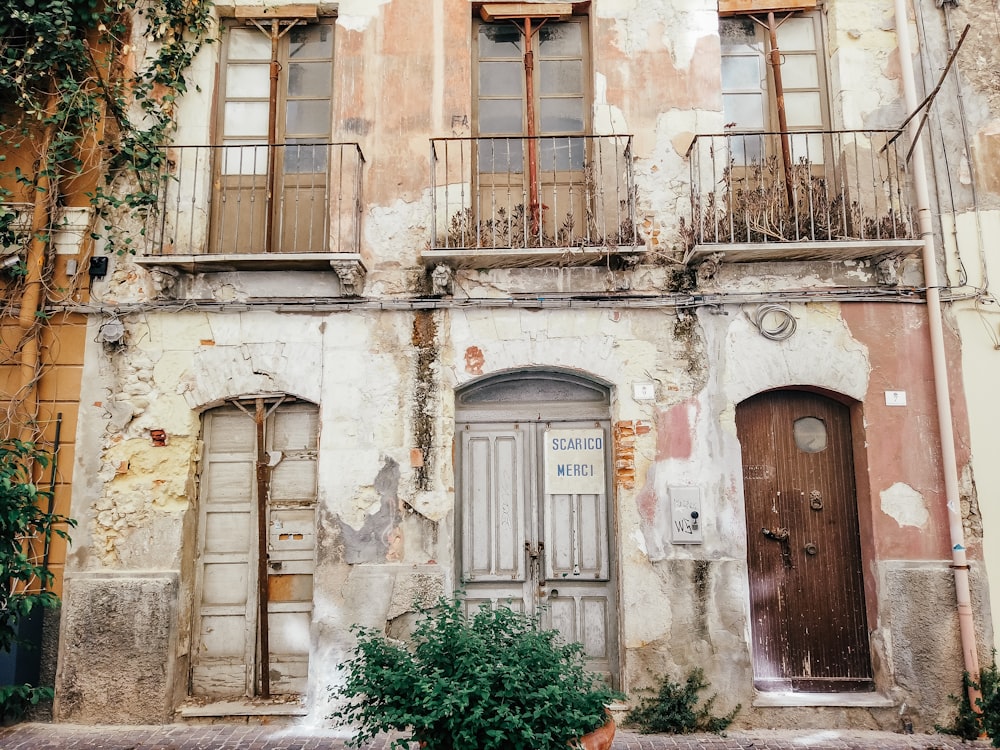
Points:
(942, 390)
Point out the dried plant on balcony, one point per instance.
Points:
(761, 202)
(511, 229)
(593, 220)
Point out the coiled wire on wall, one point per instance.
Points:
(775, 322)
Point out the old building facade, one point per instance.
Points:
(613, 309)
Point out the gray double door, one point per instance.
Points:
(535, 525)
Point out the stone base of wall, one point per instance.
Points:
(116, 651)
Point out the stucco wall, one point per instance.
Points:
(384, 372)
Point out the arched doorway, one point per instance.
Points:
(256, 548)
(533, 472)
(807, 601)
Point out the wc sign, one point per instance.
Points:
(574, 462)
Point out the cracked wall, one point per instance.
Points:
(384, 375)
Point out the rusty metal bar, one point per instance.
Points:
(529, 89)
(779, 97)
(272, 135)
(263, 482)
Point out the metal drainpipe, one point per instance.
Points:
(32, 299)
(942, 390)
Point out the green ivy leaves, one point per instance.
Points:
(24, 527)
(66, 70)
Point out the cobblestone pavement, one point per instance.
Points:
(37, 736)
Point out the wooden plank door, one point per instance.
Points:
(226, 656)
(807, 602)
(546, 554)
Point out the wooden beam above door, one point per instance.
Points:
(505, 11)
(277, 11)
(740, 7)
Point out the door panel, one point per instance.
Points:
(226, 655)
(544, 554)
(272, 179)
(493, 533)
(807, 599)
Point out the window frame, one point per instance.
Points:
(528, 128)
(280, 105)
(768, 89)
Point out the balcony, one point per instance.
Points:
(257, 207)
(831, 195)
(542, 200)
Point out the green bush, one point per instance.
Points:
(487, 680)
(970, 724)
(23, 523)
(674, 709)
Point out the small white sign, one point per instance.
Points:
(895, 398)
(643, 391)
(574, 462)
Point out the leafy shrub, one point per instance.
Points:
(970, 724)
(673, 710)
(25, 529)
(487, 680)
(15, 700)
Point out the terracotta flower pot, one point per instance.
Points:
(600, 738)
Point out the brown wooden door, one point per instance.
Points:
(807, 603)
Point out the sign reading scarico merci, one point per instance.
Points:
(574, 462)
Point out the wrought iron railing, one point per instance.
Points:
(799, 187)
(539, 192)
(249, 198)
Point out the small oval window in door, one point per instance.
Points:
(810, 434)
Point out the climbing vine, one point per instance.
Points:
(89, 88)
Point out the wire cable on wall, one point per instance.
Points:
(775, 322)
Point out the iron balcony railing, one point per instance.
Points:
(533, 192)
(250, 198)
(819, 187)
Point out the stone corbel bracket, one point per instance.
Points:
(442, 279)
(352, 275)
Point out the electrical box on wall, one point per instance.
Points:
(685, 515)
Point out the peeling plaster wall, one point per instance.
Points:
(966, 152)
(384, 380)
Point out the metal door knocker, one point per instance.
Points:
(815, 500)
(811, 548)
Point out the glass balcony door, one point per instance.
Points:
(275, 116)
(532, 92)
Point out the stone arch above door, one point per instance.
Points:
(220, 373)
(826, 356)
(520, 389)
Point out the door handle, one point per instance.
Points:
(780, 535)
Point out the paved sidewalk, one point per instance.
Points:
(260, 737)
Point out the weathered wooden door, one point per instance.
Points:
(535, 532)
(257, 554)
(532, 88)
(272, 174)
(807, 602)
